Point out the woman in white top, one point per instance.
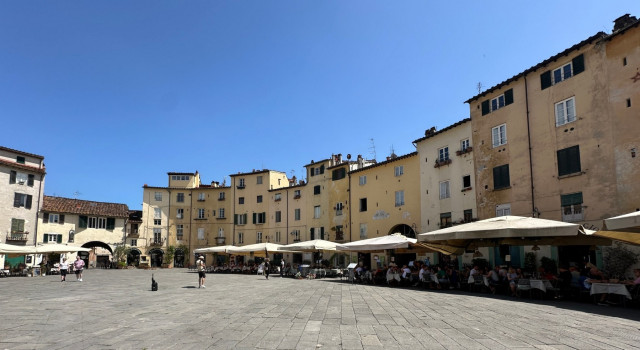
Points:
(64, 267)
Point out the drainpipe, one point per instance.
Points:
(190, 221)
(526, 97)
(35, 234)
(350, 210)
(233, 224)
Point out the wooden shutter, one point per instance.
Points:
(30, 180)
(17, 200)
(264, 217)
(311, 171)
(59, 238)
(82, 221)
(254, 218)
(569, 160)
(45, 218)
(12, 177)
(313, 234)
(508, 97)
(485, 107)
(235, 219)
(45, 238)
(501, 177)
(322, 169)
(61, 218)
(29, 199)
(322, 232)
(111, 223)
(571, 199)
(545, 80)
(578, 64)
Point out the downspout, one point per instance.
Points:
(350, 222)
(168, 219)
(35, 234)
(287, 225)
(526, 98)
(190, 222)
(233, 223)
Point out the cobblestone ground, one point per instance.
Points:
(116, 309)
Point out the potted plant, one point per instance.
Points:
(168, 257)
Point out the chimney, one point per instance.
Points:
(623, 21)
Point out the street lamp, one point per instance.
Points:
(71, 234)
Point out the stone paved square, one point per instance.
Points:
(116, 309)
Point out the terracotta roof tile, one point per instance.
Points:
(22, 167)
(82, 207)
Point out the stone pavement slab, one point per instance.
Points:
(116, 309)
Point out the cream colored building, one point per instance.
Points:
(559, 140)
(22, 178)
(83, 223)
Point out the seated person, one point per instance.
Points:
(512, 277)
(424, 275)
(392, 274)
(452, 275)
(494, 279)
(442, 277)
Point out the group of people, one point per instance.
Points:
(414, 274)
(77, 265)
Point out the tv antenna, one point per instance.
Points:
(373, 148)
(76, 194)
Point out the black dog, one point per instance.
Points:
(154, 284)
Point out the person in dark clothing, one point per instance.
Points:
(266, 267)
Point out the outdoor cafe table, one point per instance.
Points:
(541, 284)
(610, 288)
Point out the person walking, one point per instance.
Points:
(64, 268)
(78, 266)
(281, 268)
(266, 267)
(201, 275)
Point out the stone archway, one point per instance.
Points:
(178, 258)
(133, 258)
(100, 256)
(404, 230)
(156, 255)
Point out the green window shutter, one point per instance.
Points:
(312, 234)
(29, 199)
(322, 169)
(61, 219)
(46, 238)
(30, 180)
(311, 171)
(12, 177)
(254, 218)
(82, 221)
(45, 218)
(545, 80)
(264, 217)
(245, 218)
(235, 219)
(571, 199)
(59, 238)
(322, 232)
(17, 200)
(485, 107)
(111, 223)
(578, 65)
(508, 97)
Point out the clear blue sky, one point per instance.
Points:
(115, 94)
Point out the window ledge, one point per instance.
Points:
(502, 188)
(220, 218)
(200, 219)
(466, 189)
(571, 175)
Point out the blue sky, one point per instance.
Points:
(115, 94)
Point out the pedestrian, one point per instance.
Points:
(78, 265)
(64, 267)
(201, 275)
(281, 268)
(266, 267)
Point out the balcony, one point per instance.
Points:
(442, 162)
(157, 243)
(133, 234)
(339, 236)
(220, 240)
(296, 196)
(464, 151)
(241, 186)
(18, 237)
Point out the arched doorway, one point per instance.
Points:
(156, 255)
(178, 258)
(100, 256)
(408, 231)
(133, 258)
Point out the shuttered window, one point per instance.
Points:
(569, 161)
(501, 177)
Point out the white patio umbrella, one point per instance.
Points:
(310, 246)
(625, 228)
(257, 249)
(216, 249)
(58, 248)
(16, 249)
(393, 241)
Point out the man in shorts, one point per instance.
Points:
(78, 265)
(201, 276)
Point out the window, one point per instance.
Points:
(53, 238)
(316, 189)
(564, 72)
(240, 183)
(200, 233)
(399, 198)
(363, 231)
(278, 197)
(363, 180)
(17, 225)
(296, 214)
(179, 230)
(572, 207)
(240, 237)
(445, 220)
(501, 177)
(316, 212)
(497, 103)
(363, 204)
(258, 237)
(339, 207)
(158, 196)
(296, 235)
(134, 242)
(569, 161)
(22, 200)
(565, 111)
(464, 144)
(259, 180)
(444, 190)
(180, 197)
(102, 223)
(240, 200)
(19, 178)
(241, 219)
(499, 135)
(278, 216)
(20, 160)
(221, 196)
(503, 209)
(157, 236)
(278, 237)
(180, 213)
(338, 174)
(398, 170)
(201, 213)
(201, 196)
(259, 199)
(156, 222)
(628, 105)
(259, 218)
(466, 182)
(157, 213)
(443, 154)
(468, 215)
(180, 177)
(54, 218)
(296, 194)
(221, 213)
(93, 222)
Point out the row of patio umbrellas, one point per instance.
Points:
(40, 249)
